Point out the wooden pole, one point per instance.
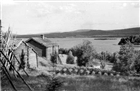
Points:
(19, 63)
(28, 49)
(7, 75)
(0, 36)
(0, 39)
(16, 71)
(37, 60)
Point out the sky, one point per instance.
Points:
(76, 0)
(46, 17)
(0, 11)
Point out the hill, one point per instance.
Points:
(89, 33)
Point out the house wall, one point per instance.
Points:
(30, 55)
(32, 58)
(49, 52)
(40, 49)
(18, 51)
(56, 48)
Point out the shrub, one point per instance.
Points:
(54, 84)
(70, 58)
(63, 51)
(128, 60)
(85, 52)
(106, 56)
(54, 58)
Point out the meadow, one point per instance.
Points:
(98, 83)
(78, 83)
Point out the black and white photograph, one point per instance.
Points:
(69, 45)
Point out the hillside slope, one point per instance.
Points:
(89, 33)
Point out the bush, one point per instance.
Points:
(128, 60)
(54, 85)
(110, 57)
(85, 52)
(63, 51)
(70, 58)
(54, 58)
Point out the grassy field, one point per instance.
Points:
(77, 83)
(100, 84)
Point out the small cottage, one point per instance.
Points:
(31, 57)
(43, 46)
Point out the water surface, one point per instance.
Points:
(99, 45)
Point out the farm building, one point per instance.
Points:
(43, 46)
(31, 58)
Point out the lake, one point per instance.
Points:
(99, 45)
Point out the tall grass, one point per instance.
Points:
(76, 83)
(100, 84)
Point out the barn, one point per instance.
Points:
(31, 57)
(43, 46)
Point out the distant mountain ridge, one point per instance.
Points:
(89, 33)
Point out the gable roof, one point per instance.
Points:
(14, 43)
(45, 42)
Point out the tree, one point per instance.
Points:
(85, 52)
(137, 63)
(127, 59)
(132, 39)
(22, 60)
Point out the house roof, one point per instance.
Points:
(14, 43)
(45, 42)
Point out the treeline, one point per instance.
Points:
(131, 39)
(127, 60)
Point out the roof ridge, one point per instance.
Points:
(45, 42)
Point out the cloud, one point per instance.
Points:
(40, 9)
(136, 4)
(8, 2)
(44, 9)
(70, 8)
(123, 5)
(129, 5)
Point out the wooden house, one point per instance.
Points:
(43, 46)
(31, 57)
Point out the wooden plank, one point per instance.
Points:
(8, 75)
(37, 61)
(19, 63)
(16, 71)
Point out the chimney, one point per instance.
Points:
(42, 36)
